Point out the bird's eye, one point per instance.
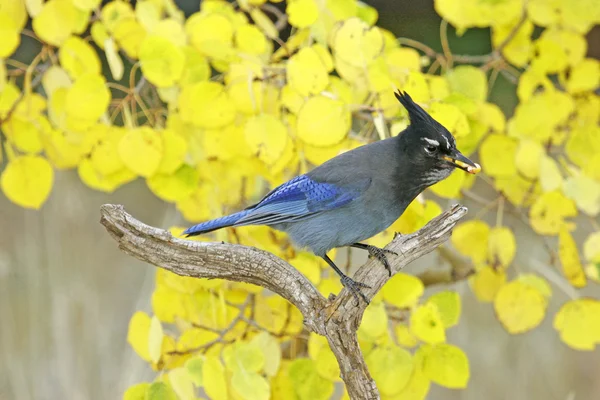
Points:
(430, 148)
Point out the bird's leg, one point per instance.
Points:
(348, 282)
(377, 253)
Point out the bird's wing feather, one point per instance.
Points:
(301, 197)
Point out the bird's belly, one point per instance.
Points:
(338, 228)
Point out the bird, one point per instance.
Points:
(357, 194)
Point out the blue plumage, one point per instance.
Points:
(357, 194)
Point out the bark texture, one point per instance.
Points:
(337, 319)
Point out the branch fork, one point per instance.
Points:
(337, 318)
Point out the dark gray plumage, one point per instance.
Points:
(357, 194)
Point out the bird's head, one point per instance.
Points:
(429, 145)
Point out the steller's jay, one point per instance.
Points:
(356, 194)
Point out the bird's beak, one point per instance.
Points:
(462, 162)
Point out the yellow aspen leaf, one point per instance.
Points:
(403, 290)
(175, 186)
(550, 177)
(302, 13)
(291, 99)
(538, 117)
(585, 192)
(87, 99)
(426, 324)
(583, 144)
(98, 181)
(536, 282)
(308, 384)
(210, 33)
(271, 351)
(323, 121)
(244, 356)
(206, 105)
(99, 33)
(182, 383)
(325, 361)
(196, 68)
(367, 13)
(486, 283)
(446, 365)
(497, 153)
(148, 14)
(194, 367)
(404, 337)
(417, 386)
(378, 75)
(25, 134)
(78, 57)
(306, 72)
(469, 81)
(174, 151)
(528, 158)
(519, 307)
(213, 377)
(584, 76)
(138, 334)
(86, 5)
(471, 239)
(391, 368)
(248, 96)
(155, 339)
(115, 12)
(137, 392)
(250, 40)
(56, 21)
(569, 259)
(55, 78)
(578, 323)
(356, 43)
(547, 215)
(591, 247)
(8, 97)
(27, 181)
(17, 11)
(450, 187)
(129, 35)
(267, 137)
(141, 150)
(502, 246)
(264, 23)
(2, 75)
(519, 49)
(324, 55)
(250, 385)
(161, 61)
(530, 82)
(160, 391)
(518, 190)
(10, 34)
(375, 322)
(448, 305)
(114, 59)
(308, 265)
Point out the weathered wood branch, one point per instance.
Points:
(337, 319)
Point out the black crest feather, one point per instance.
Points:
(415, 112)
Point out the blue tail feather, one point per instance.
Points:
(215, 224)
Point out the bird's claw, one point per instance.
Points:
(354, 287)
(380, 255)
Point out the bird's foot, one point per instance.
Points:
(354, 287)
(380, 254)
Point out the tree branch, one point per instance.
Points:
(337, 319)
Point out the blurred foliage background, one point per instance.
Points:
(81, 321)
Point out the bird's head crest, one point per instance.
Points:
(415, 112)
(429, 143)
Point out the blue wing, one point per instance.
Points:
(299, 198)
